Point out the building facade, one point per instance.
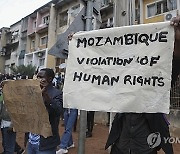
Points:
(159, 10)
(28, 40)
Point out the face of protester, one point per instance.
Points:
(44, 79)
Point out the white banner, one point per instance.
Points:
(122, 69)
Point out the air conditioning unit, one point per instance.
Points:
(40, 54)
(169, 15)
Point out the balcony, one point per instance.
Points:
(42, 27)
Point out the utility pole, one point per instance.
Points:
(83, 114)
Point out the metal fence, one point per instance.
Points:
(175, 95)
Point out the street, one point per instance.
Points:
(94, 145)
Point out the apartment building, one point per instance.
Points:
(28, 40)
(10, 46)
(4, 37)
(37, 37)
(158, 10)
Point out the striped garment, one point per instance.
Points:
(34, 138)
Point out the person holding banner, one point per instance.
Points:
(135, 133)
(54, 104)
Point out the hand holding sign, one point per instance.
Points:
(176, 23)
(24, 102)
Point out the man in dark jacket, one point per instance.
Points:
(130, 131)
(53, 101)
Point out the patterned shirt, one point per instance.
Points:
(34, 138)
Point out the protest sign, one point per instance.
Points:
(24, 102)
(122, 69)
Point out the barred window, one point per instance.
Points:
(175, 95)
(63, 18)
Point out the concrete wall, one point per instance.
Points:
(101, 117)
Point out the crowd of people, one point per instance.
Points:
(54, 84)
(128, 134)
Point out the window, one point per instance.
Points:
(157, 8)
(34, 24)
(106, 2)
(45, 20)
(63, 18)
(172, 4)
(41, 61)
(32, 44)
(13, 65)
(107, 23)
(110, 22)
(75, 10)
(44, 40)
(161, 7)
(151, 10)
(175, 95)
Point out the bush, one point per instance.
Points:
(24, 70)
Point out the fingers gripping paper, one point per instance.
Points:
(124, 69)
(24, 103)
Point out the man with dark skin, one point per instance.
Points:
(54, 104)
(53, 101)
(129, 131)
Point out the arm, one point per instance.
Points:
(56, 104)
(176, 23)
(176, 60)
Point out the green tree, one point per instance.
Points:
(24, 70)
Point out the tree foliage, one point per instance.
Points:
(24, 70)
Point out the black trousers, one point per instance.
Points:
(90, 120)
(115, 150)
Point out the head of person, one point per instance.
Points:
(46, 74)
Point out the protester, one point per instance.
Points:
(53, 101)
(129, 131)
(8, 135)
(108, 120)
(90, 123)
(70, 116)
